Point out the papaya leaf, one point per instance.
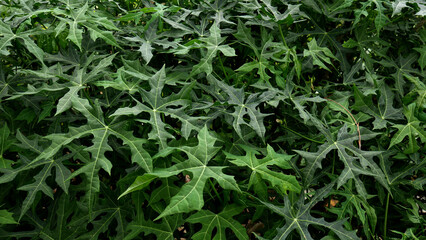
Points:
(384, 112)
(298, 217)
(356, 161)
(259, 168)
(190, 196)
(413, 130)
(9, 35)
(156, 105)
(245, 106)
(320, 55)
(213, 45)
(220, 222)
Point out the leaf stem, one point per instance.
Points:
(386, 217)
(353, 118)
(215, 191)
(301, 135)
(282, 35)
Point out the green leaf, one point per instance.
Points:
(162, 230)
(320, 55)
(381, 18)
(263, 54)
(356, 161)
(413, 130)
(100, 131)
(156, 105)
(220, 222)
(259, 168)
(354, 203)
(212, 44)
(246, 106)
(5, 143)
(384, 112)
(190, 196)
(298, 217)
(140, 183)
(62, 173)
(6, 217)
(422, 58)
(403, 68)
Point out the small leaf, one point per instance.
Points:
(319, 54)
(413, 130)
(6, 217)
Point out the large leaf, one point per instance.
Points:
(9, 35)
(356, 161)
(157, 105)
(220, 222)
(100, 131)
(190, 196)
(62, 173)
(298, 217)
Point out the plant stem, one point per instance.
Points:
(223, 68)
(386, 216)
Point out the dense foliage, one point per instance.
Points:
(207, 119)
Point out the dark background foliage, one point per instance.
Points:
(212, 119)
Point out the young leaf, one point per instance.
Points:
(212, 44)
(413, 130)
(259, 168)
(319, 54)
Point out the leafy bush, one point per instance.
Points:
(212, 119)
